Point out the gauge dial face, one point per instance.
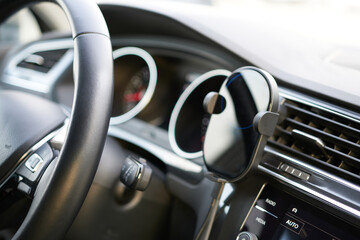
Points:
(135, 89)
(135, 75)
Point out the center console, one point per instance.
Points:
(277, 215)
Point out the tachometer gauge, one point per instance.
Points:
(188, 120)
(135, 76)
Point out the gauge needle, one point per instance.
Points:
(134, 97)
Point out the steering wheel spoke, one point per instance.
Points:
(35, 161)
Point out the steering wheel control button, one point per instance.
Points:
(35, 165)
(295, 172)
(135, 173)
(246, 236)
(23, 187)
(34, 162)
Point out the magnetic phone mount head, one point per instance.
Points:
(244, 113)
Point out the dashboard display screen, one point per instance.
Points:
(279, 216)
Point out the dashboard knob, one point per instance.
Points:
(246, 236)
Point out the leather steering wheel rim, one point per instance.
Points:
(54, 209)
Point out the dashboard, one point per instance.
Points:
(164, 65)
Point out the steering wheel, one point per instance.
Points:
(25, 120)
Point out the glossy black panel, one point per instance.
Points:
(280, 216)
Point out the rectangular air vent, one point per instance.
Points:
(42, 61)
(320, 137)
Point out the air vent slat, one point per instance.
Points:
(353, 161)
(344, 157)
(326, 139)
(353, 177)
(324, 121)
(325, 136)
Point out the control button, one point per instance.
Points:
(294, 210)
(246, 236)
(284, 167)
(34, 162)
(289, 170)
(294, 172)
(304, 176)
(270, 202)
(260, 220)
(292, 224)
(23, 187)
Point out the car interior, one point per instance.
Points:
(179, 119)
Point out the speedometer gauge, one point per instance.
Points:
(136, 89)
(135, 76)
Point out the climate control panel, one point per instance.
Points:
(277, 215)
